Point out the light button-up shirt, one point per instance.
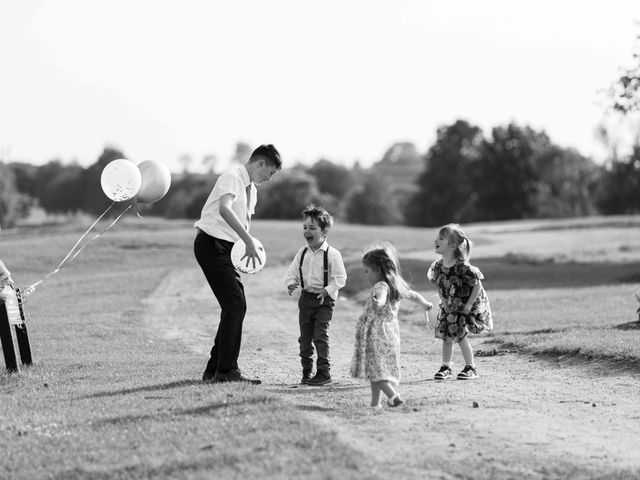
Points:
(313, 270)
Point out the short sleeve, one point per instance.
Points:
(471, 275)
(431, 273)
(227, 183)
(379, 293)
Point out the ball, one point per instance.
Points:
(246, 265)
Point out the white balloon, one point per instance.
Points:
(246, 266)
(156, 180)
(121, 180)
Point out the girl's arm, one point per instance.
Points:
(472, 298)
(415, 297)
(380, 292)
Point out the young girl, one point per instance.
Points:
(377, 344)
(464, 306)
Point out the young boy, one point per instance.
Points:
(225, 219)
(319, 271)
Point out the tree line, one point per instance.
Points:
(515, 172)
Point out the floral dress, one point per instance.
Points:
(454, 287)
(376, 355)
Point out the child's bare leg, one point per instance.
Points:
(388, 390)
(447, 352)
(467, 351)
(375, 394)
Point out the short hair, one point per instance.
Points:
(320, 215)
(269, 154)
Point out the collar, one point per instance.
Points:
(323, 246)
(245, 175)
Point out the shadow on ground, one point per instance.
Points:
(146, 388)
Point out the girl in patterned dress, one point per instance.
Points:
(464, 306)
(377, 343)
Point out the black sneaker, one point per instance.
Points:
(397, 401)
(468, 373)
(444, 373)
(322, 377)
(235, 375)
(208, 377)
(306, 376)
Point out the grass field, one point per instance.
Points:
(109, 399)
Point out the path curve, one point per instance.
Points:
(533, 420)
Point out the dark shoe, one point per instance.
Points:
(208, 376)
(444, 373)
(235, 375)
(321, 378)
(468, 373)
(396, 402)
(306, 376)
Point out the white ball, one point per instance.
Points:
(246, 265)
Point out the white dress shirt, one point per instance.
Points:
(313, 270)
(234, 181)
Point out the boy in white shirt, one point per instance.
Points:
(225, 219)
(319, 271)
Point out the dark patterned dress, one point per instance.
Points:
(455, 285)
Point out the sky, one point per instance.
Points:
(341, 80)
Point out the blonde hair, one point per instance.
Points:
(456, 237)
(385, 259)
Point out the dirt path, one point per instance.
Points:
(534, 418)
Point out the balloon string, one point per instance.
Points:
(427, 311)
(84, 235)
(137, 209)
(68, 258)
(99, 234)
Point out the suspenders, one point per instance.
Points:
(326, 267)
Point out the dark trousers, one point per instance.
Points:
(314, 318)
(214, 257)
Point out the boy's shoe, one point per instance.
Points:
(306, 376)
(322, 377)
(468, 373)
(444, 373)
(395, 401)
(235, 375)
(208, 377)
